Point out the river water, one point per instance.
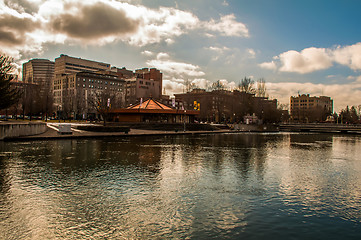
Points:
(222, 186)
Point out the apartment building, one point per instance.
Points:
(305, 108)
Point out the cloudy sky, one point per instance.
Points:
(303, 46)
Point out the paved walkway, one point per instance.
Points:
(52, 133)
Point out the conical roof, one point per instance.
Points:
(150, 104)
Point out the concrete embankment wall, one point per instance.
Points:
(255, 127)
(13, 130)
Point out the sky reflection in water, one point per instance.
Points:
(202, 187)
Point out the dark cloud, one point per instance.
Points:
(10, 38)
(18, 24)
(13, 29)
(96, 21)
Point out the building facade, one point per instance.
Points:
(40, 72)
(153, 76)
(78, 95)
(217, 105)
(227, 106)
(305, 108)
(78, 83)
(144, 83)
(67, 65)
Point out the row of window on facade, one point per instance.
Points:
(146, 83)
(310, 100)
(100, 82)
(302, 104)
(100, 87)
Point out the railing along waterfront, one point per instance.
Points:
(321, 127)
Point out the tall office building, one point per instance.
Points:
(38, 71)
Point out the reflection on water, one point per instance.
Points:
(202, 187)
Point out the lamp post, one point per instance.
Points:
(184, 121)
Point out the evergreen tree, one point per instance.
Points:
(8, 95)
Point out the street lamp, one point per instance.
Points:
(184, 121)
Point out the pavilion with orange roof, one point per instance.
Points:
(152, 111)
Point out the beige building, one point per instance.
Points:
(76, 95)
(77, 78)
(38, 100)
(305, 108)
(67, 65)
(153, 76)
(40, 72)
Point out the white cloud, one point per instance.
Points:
(173, 68)
(251, 53)
(163, 56)
(172, 87)
(306, 61)
(169, 41)
(268, 65)
(219, 50)
(314, 59)
(147, 53)
(349, 56)
(201, 83)
(228, 26)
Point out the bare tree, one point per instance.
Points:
(284, 106)
(103, 101)
(261, 90)
(8, 95)
(30, 100)
(217, 85)
(247, 85)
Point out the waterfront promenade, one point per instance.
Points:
(52, 133)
